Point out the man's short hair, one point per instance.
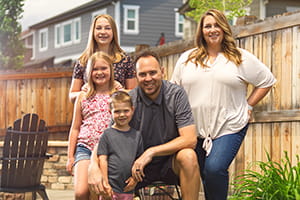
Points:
(144, 54)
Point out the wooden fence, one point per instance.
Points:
(276, 126)
(44, 93)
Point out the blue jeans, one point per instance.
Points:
(214, 167)
(82, 153)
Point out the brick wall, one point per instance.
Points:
(55, 175)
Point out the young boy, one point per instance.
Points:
(118, 148)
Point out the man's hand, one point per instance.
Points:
(139, 165)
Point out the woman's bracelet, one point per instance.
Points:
(250, 107)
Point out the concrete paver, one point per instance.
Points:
(54, 195)
(60, 194)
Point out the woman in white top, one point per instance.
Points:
(215, 76)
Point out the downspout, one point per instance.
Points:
(117, 18)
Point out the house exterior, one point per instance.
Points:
(259, 9)
(268, 8)
(65, 36)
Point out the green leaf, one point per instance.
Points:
(232, 8)
(11, 47)
(273, 180)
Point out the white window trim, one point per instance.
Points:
(63, 43)
(118, 18)
(136, 20)
(76, 40)
(45, 31)
(56, 43)
(177, 33)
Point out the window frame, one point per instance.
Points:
(41, 34)
(177, 24)
(57, 35)
(75, 39)
(136, 9)
(61, 32)
(65, 23)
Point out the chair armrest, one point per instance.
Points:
(48, 155)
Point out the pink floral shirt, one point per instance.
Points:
(96, 118)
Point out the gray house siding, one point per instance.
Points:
(154, 13)
(276, 7)
(73, 50)
(255, 8)
(155, 16)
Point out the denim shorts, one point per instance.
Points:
(82, 153)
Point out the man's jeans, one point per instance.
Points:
(214, 167)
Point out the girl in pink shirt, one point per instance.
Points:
(91, 117)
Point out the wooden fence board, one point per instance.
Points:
(3, 109)
(259, 143)
(276, 147)
(295, 146)
(285, 137)
(40, 98)
(266, 140)
(240, 159)
(11, 100)
(296, 68)
(248, 146)
(276, 62)
(286, 69)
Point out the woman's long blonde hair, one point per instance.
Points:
(115, 50)
(229, 48)
(89, 69)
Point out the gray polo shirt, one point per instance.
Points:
(159, 120)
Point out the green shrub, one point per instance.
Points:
(276, 181)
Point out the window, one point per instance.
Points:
(131, 19)
(43, 39)
(179, 21)
(57, 36)
(77, 30)
(67, 33)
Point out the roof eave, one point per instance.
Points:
(72, 13)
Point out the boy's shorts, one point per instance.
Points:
(120, 196)
(82, 153)
(159, 171)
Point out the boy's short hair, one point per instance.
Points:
(120, 97)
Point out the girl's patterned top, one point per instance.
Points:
(96, 118)
(123, 70)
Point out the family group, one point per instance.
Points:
(131, 128)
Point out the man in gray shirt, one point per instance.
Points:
(164, 118)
